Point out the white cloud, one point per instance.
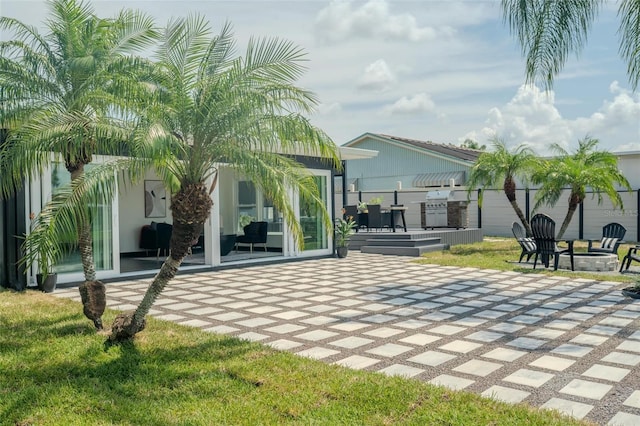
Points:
(532, 117)
(377, 76)
(339, 21)
(417, 104)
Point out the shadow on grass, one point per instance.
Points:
(469, 250)
(59, 365)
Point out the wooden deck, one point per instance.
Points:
(413, 242)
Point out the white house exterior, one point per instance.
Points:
(118, 225)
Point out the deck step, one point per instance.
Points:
(384, 235)
(403, 251)
(403, 242)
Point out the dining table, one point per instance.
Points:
(392, 216)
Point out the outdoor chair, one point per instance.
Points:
(612, 235)
(164, 238)
(254, 233)
(632, 254)
(527, 244)
(352, 211)
(156, 237)
(544, 234)
(376, 217)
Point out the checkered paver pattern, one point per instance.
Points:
(552, 342)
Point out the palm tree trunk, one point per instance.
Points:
(191, 206)
(509, 188)
(522, 218)
(92, 291)
(128, 324)
(574, 201)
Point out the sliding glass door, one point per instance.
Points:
(102, 230)
(313, 228)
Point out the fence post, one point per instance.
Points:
(479, 210)
(580, 220)
(527, 205)
(345, 199)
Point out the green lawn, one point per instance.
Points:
(57, 371)
(503, 253)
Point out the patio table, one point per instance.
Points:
(397, 214)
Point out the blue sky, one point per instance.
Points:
(430, 70)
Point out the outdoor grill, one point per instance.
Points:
(434, 209)
(440, 210)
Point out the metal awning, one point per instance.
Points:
(426, 180)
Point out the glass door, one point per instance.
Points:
(313, 228)
(101, 230)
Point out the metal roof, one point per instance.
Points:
(452, 151)
(446, 149)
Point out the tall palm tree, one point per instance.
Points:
(586, 168)
(549, 30)
(67, 92)
(215, 108)
(502, 167)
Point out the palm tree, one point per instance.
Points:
(502, 166)
(586, 168)
(549, 30)
(67, 92)
(216, 108)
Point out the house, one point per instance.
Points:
(407, 163)
(142, 208)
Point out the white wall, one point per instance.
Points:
(628, 165)
(131, 213)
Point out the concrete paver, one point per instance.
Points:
(551, 342)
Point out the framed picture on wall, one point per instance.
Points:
(155, 199)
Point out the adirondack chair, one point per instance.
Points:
(544, 234)
(632, 255)
(612, 235)
(527, 244)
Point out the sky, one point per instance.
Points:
(432, 70)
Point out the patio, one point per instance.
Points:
(551, 342)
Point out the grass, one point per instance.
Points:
(503, 254)
(57, 371)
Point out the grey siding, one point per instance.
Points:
(395, 163)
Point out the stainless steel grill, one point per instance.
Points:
(435, 208)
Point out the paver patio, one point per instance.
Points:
(552, 342)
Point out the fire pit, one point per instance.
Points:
(589, 262)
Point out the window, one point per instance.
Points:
(247, 209)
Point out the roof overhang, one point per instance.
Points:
(347, 153)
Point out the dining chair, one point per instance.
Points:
(375, 217)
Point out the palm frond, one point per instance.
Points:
(548, 31)
(134, 31)
(629, 33)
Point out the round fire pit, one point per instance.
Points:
(589, 262)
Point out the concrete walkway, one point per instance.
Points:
(566, 344)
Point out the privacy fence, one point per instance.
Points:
(496, 215)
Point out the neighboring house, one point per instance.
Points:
(118, 227)
(412, 163)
